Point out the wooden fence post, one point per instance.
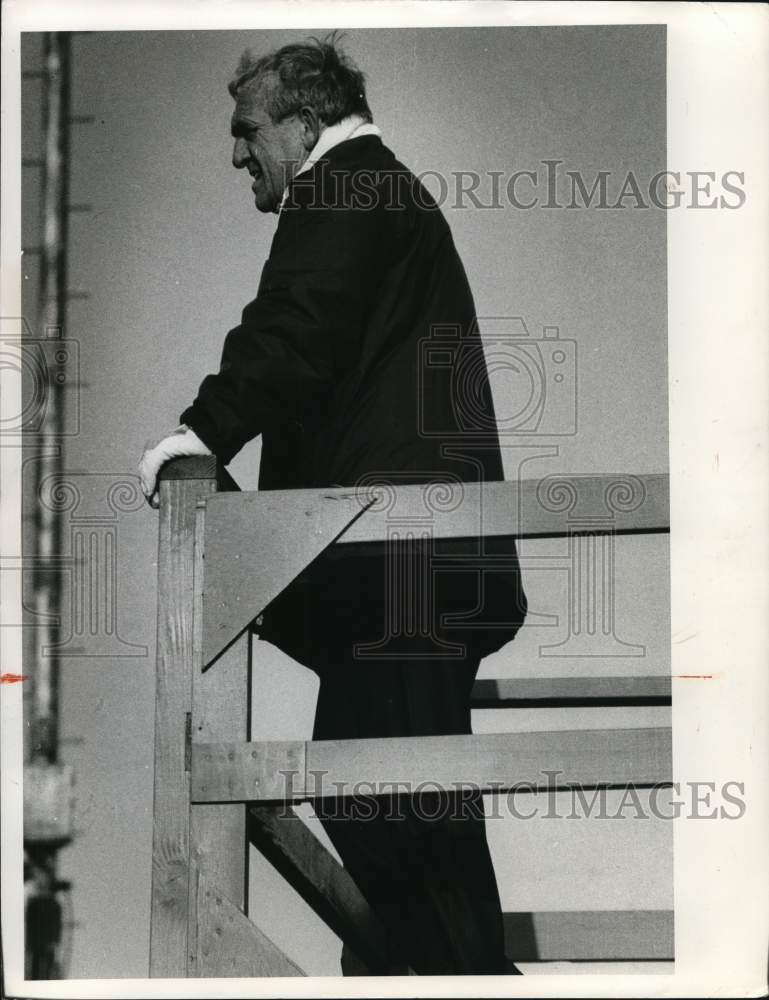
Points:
(218, 843)
(182, 483)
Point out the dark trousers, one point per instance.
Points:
(421, 861)
(428, 875)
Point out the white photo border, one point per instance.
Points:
(718, 343)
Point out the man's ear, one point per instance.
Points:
(311, 127)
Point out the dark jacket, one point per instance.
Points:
(360, 358)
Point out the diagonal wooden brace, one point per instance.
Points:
(255, 545)
(294, 850)
(228, 943)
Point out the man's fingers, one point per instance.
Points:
(147, 480)
(148, 471)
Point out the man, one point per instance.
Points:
(329, 364)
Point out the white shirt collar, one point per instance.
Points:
(348, 128)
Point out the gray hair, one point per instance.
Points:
(315, 73)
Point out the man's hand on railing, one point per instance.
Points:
(183, 441)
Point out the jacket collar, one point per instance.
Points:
(348, 128)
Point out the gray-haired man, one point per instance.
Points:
(328, 365)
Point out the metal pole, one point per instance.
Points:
(43, 911)
(52, 313)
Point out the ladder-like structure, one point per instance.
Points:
(223, 556)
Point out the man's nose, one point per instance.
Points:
(240, 154)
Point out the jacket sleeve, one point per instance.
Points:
(303, 330)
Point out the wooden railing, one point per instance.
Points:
(223, 556)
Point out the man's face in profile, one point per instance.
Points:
(272, 153)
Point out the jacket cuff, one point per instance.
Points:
(198, 420)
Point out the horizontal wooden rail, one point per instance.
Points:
(296, 771)
(587, 935)
(257, 543)
(553, 692)
(530, 508)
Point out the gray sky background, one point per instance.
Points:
(172, 251)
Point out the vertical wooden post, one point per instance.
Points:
(182, 483)
(220, 710)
